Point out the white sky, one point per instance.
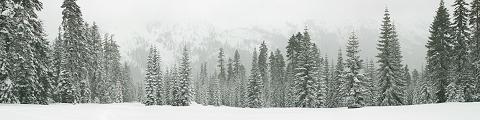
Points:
(127, 16)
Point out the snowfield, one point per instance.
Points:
(137, 111)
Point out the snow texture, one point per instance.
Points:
(137, 111)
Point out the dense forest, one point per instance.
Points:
(83, 65)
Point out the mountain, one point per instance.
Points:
(204, 39)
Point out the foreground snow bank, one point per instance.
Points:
(137, 111)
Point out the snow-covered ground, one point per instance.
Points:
(137, 111)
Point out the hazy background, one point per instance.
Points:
(206, 25)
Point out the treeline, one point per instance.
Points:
(79, 67)
(305, 78)
(453, 56)
(172, 87)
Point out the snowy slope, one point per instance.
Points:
(136, 111)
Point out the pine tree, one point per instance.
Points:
(335, 94)
(159, 92)
(262, 70)
(409, 86)
(184, 93)
(415, 86)
(371, 84)
(424, 94)
(215, 91)
(118, 92)
(306, 72)
(25, 64)
(438, 53)
(128, 91)
(390, 81)
(461, 52)
(97, 63)
(222, 76)
(475, 42)
(354, 78)
(203, 85)
(255, 85)
(149, 79)
(6, 36)
(75, 46)
(318, 76)
(229, 83)
(278, 83)
(292, 53)
(239, 80)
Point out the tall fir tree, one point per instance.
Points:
(462, 62)
(354, 77)
(262, 70)
(184, 93)
(255, 85)
(390, 78)
(97, 62)
(75, 46)
(25, 75)
(292, 53)
(439, 51)
(239, 80)
(475, 43)
(277, 73)
(335, 93)
(222, 75)
(229, 83)
(149, 79)
(305, 85)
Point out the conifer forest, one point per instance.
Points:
(66, 57)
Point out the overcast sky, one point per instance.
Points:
(123, 17)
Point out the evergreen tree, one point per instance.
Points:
(371, 84)
(409, 86)
(354, 78)
(318, 76)
(390, 78)
(149, 79)
(277, 72)
(461, 56)
(239, 80)
(215, 94)
(255, 85)
(222, 76)
(439, 51)
(184, 93)
(203, 85)
(262, 70)
(75, 48)
(128, 90)
(292, 53)
(97, 63)
(424, 94)
(25, 74)
(335, 93)
(229, 83)
(158, 80)
(118, 92)
(415, 86)
(475, 42)
(306, 75)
